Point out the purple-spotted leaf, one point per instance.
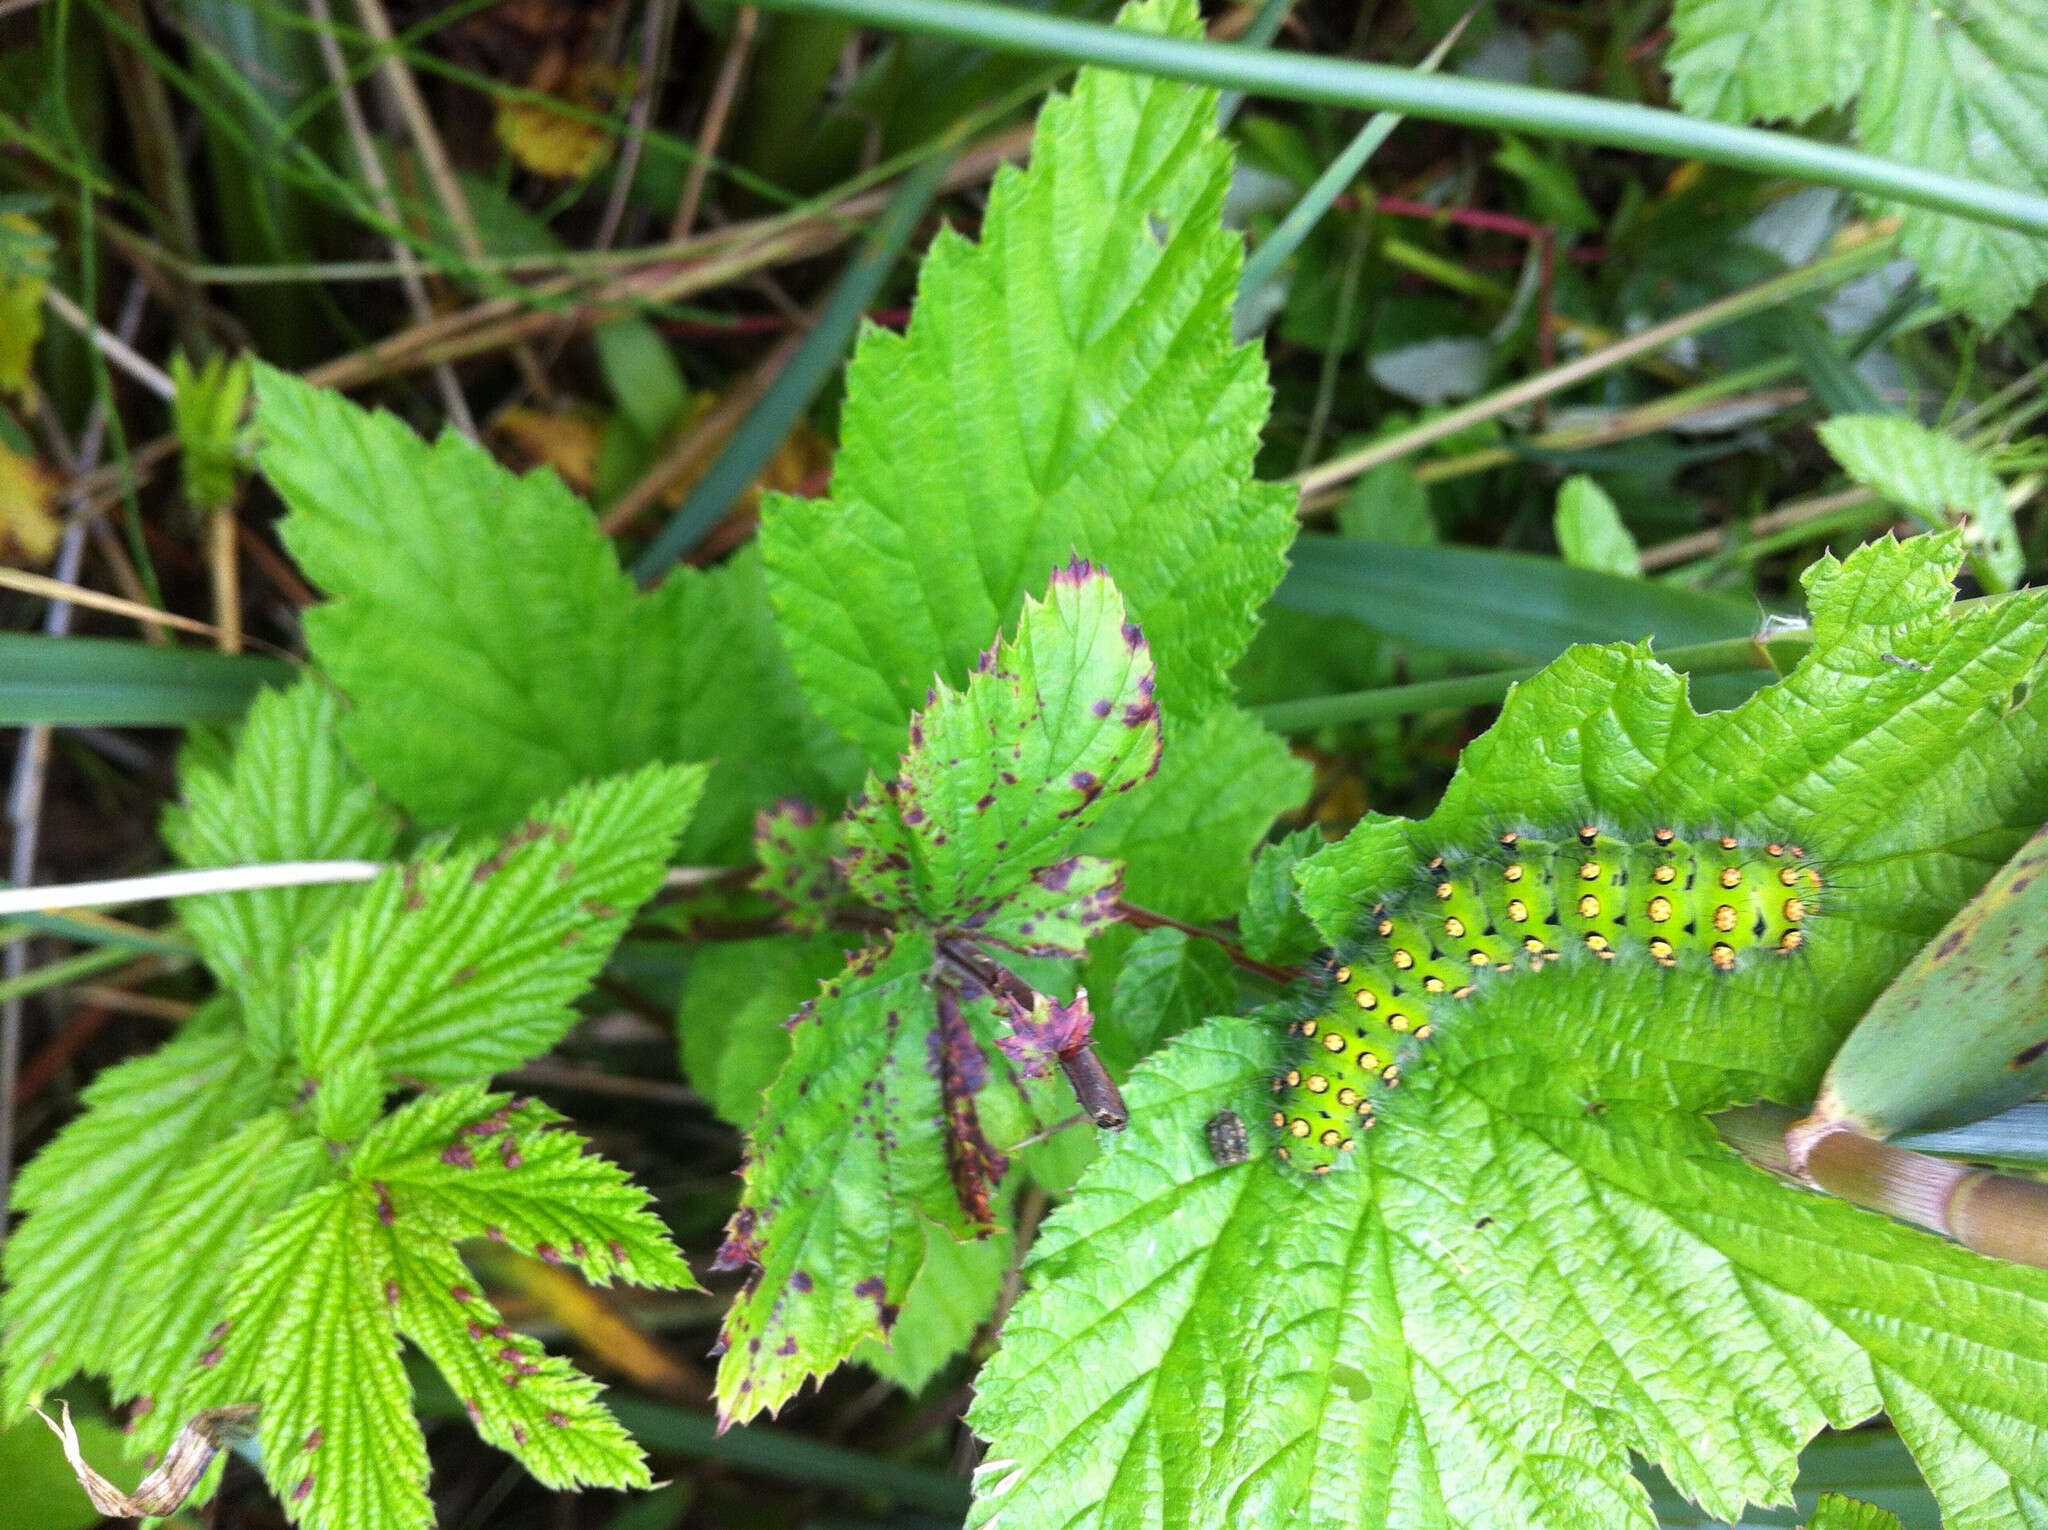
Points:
(312, 1318)
(886, 1135)
(796, 846)
(1003, 776)
(1055, 910)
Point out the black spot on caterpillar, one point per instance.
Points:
(1517, 905)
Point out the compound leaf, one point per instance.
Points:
(1543, 1259)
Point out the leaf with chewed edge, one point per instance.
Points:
(873, 1130)
(1542, 1260)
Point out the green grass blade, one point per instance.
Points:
(1304, 215)
(1474, 103)
(100, 682)
(1530, 608)
(769, 422)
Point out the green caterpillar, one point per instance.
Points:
(1520, 903)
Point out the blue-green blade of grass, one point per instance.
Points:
(1304, 215)
(1443, 98)
(769, 422)
(2016, 1138)
(100, 682)
(1478, 601)
(1731, 656)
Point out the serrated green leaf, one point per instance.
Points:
(182, 1249)
(326, 1285)
(495, 653)
(1004, 775)
(1935, 476)
(1834, 1512)
(1959, 89)
(838, 1192)
(1186, 839)
(797, 846)
(1167, 983)
(145, 1120)
(1590, 532)
(1272, 925)
(1066, 387)
(467, 1164)
(735, 999)
(1542, 1259)
(308, 1330)
(950, 1299)
(885, 1129)
(286, 792)
(466, 963)
(520, 1398)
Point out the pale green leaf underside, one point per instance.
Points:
(1936, 477)
(1066, 387)
(1961, 89)
(494, 651)
(1544, 1260)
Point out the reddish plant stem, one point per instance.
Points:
(1146, 919)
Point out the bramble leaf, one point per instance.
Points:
(796, 846)
(1935, 476)
(1962, 90)
(145, 1119)
(1067, 387)
(1004, 775)
(842, 1182)
(317, 1304)
(466, 962)
(1166, 984)
(1543, 1258)
(287, 792)
(477, 616)
(873, 1139)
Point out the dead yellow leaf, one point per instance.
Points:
(567, 442)
(802, 457)
(555, 144)
(21, 299)
(28, 516)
